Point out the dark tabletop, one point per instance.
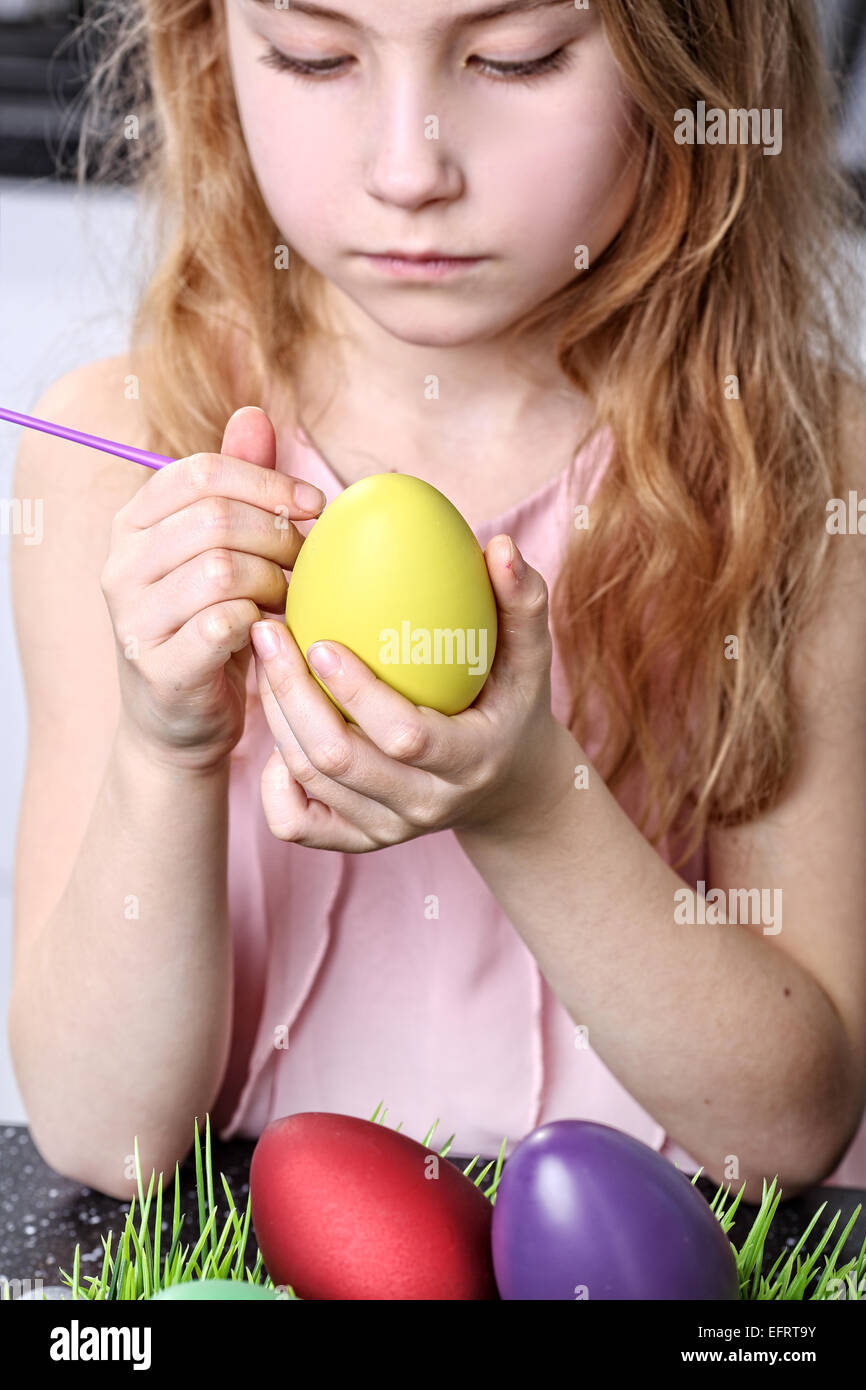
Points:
(43, 1216)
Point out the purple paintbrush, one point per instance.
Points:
(93, 441)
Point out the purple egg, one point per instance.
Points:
(585, 1211)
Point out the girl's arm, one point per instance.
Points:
(120, 1015)
(119, 1019)
(738, 1042)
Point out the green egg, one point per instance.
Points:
(195, 1290)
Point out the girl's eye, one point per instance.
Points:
(524, 70)
(273, 58)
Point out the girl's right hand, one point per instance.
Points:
(193, 556)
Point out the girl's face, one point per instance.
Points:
(413, 136)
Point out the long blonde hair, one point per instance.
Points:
(712, 335)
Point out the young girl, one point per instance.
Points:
(543, 257)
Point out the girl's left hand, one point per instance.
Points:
(406, 770)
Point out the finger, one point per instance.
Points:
(416, 735)
(213, 577)
(189, 479)
(249, 434)
(206, 641)
(413, 734)
(212, 523)
(293, 816)
(364, 813)
(523, 641)
(292, 697)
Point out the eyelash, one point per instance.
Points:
(527, 71)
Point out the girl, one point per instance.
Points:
(543, 257)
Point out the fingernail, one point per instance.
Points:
(515, 561)
(264, 639)
(323, 659)
(312, 499)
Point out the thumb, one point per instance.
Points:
(522, 600)
(249, 435)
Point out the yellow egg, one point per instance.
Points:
(392, 570)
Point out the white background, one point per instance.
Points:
(68, 275)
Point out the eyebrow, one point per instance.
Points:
(506, 7)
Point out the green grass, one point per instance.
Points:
(138, 1267)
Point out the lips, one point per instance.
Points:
(422, 256)
(422, 266)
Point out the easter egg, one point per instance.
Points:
(585, 1211)
(344, 1208)
(392, 570)
(203, 1290)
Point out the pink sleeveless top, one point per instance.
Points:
(346, 994)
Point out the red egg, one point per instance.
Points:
(346, 1208)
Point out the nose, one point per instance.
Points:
(411, 159)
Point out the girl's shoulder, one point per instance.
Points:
(100, 397)
(105, 388)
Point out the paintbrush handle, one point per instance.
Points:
(92, 441)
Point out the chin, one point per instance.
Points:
(440, 326)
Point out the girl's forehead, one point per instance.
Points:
(433, 17)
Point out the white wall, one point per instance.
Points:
(68, 274)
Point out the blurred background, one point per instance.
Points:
(71, 262)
